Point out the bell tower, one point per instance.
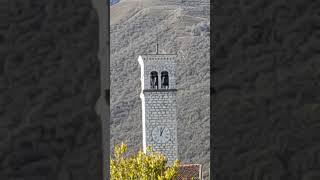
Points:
(158, 96)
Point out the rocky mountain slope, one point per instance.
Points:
(182, 28)
(112, 2)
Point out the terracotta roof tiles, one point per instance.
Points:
(187, 171)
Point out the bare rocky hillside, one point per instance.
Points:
(182, 28)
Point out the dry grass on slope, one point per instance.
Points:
(183, 30)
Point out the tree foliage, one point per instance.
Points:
(142, 166)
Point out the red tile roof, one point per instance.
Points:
(187, 171)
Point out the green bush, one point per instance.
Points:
(141, 166)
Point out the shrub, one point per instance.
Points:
(142, 166)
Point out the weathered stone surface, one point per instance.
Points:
(49, 83)
(266, 79)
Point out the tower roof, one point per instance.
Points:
(187, 171)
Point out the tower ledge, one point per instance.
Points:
(159, 90)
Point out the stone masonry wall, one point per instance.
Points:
(161, 110)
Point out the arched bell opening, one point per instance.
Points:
(154, 80)
(164, 80)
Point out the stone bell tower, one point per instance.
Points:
(158, 96)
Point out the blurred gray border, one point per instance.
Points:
(103, 103)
